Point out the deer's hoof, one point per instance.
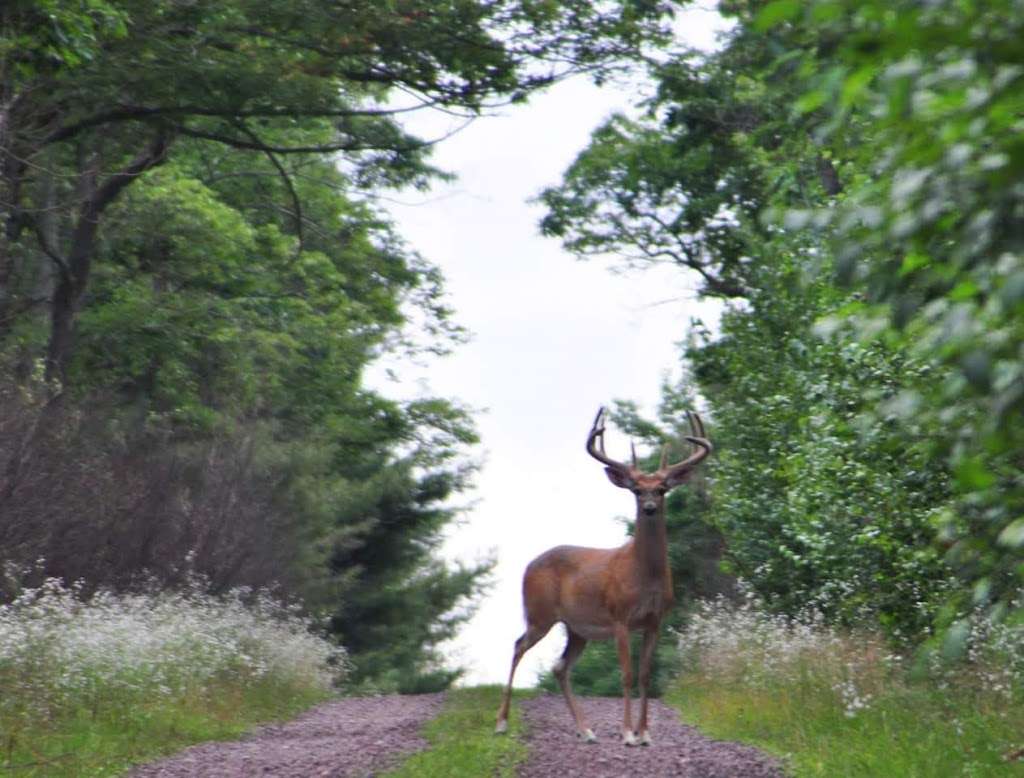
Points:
(587, 736)
(501, 728)
(645, 738)
(629, 739)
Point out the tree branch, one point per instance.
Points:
(287, 182)
(47, 249)
(112, 186)
(323, 148)
(137, 113)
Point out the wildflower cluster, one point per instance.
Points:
(61, 652)
(993, 650)
(742, 644)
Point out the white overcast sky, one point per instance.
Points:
(553, 338)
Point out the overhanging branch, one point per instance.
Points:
(285, 178)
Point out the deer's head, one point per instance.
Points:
(649, 488)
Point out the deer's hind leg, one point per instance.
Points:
(573, 648)
(526, 641)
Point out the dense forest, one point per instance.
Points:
(194, 277)
(848, 178)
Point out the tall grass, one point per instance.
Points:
(89, 686)
(841, 703)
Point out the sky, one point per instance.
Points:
(553, 339)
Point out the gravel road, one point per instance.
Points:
(356, 736)
(365, 736)
(678, 750)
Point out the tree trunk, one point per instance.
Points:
(62, 322)
(73, 278)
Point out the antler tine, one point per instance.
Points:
(664, 457)
(698, 439)
(698, 428)
(596, 436)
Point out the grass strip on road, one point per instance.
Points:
(462, 739)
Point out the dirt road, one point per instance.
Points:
(678, 750)
(356, 736)
(365, 736)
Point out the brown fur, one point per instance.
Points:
(602, 594)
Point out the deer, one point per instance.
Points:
(603, 594)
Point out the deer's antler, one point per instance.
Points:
(698, 439)
(595, 443)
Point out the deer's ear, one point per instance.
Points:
(619, 478)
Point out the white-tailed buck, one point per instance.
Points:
(601, 594)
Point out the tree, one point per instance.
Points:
(689, 181)
(930, 229)
(190, 256)
(827, 483)
(116, 86)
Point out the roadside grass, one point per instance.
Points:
(89, 687)
(837, 704)
(910, 732)
(462, 739)
(110, 739)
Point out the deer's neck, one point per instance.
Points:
(650, 545)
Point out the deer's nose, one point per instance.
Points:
(650, 507)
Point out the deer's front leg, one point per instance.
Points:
(646, 656)
(626, 666)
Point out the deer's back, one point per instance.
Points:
(572, 584)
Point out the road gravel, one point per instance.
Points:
(366, 736)
(678, 749)
(353, 737)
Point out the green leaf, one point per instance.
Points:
(965, 290)
(915, 260)
(955, 644)
(810, 101)
(777, 12)
(1012, 535)
(855, 84)
(982, 590)
(973, 475)
(1012, 291)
